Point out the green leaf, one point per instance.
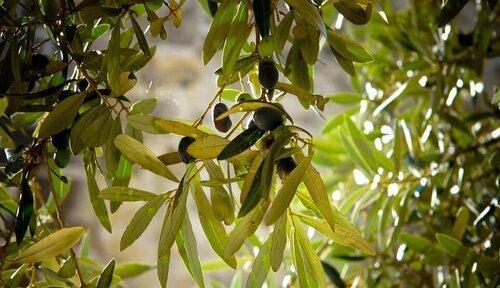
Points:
(99, 131)
(348, 48)
(214, 230)
(287, 191)
(309, 13)
(317, 190)
(78, 129)
(346, 98)
(123, 194)
(51, 245)
(461, 223)
(131, 269)
(353, 12)
(106, 275)
(207, 147)
(222, 203)
(333, 274)
(342, 235)
(260, 266)
(62, 115)
(113, 59)
(278, 243)
(254, 194)
(219, 29)
(141, 155)
(250, 176)
(99, 30)
(141, 221)
(179, 128)
(245, 228)
(312, 264)
(24, 211)
(302, 94)
(236, 38)
(186, 242)
(456, 249)
(240, 143)
(68, 268)
(144, 123)
(282, 32)
(450, 9)
(162, 269)
(140, 37)
(98, 204)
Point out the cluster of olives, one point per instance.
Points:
(264, 119)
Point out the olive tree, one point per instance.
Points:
(63, 98)
(415, 154)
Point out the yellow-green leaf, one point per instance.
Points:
(62, 115)
(123, 194)
(278, 243)
(287, 191)
(141, 155)
(207, 147)
(179, 128)
(52, 245)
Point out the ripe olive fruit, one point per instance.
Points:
(39, 61)
(224, 124)
(243, 96)
(250, 123)
(183, 145)
(267, 119)
(285, 166)
(82, 85)
(65, 94)
(61, 139)
(268, 73)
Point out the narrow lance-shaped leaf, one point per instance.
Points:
(62, 115)
(250, 176)
(236, 38)
(98, 204)
(140, 154)
(113, 58)
(51, 245)
(141, 221)
(140, 37)
(278, 243)
(309, 13)
(24, 211)
(287, 191)
(207, 147)
(218, 29)
(186, 242)
(222, 204)
(240, 143)
(123, 194)
(317, 190)
(106, 275)
(214, 230)
(260, 266)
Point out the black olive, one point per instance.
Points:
(285, 166)
(249, 124)
(69, 32)
(267, 141)
(212, 6)
(270, 94)
(224, 124)
(268, 73)
(183, 145)
(243, 96)
(267, 119)
(62, 158)
(61, 139)
(39, 61)
(82, 85)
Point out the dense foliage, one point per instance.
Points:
(64, 97)
(431, 207)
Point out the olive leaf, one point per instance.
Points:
(207, 147)
(141, 155)
(240, 143)
(51, 245)
(141, 221)
(123, 194)
(62, 115)
(176, 127)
